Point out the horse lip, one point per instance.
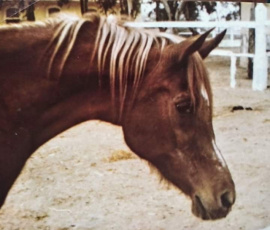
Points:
(200, 211)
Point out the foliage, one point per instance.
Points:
(106, 4)
(189, 9)
(192, 9)
(232, 11)
(135, 9)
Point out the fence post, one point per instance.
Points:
(260, 59)
(233, 71)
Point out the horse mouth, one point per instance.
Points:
(199, 210)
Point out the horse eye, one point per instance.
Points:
(185, 108)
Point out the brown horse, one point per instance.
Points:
(67, 70)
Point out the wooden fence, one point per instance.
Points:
(260, 63)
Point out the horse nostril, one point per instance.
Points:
(227, 199)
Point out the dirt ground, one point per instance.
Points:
(87, 178)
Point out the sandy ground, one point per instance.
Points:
(87, 178)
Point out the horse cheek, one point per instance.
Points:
(147, 129)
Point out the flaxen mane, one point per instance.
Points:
(128, 57)
(124, 49)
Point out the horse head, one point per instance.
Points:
(170, 125)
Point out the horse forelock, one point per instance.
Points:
(198, 82)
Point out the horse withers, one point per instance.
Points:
(61, 72)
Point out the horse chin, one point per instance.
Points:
(199, 210)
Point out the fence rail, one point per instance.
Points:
(194, 24)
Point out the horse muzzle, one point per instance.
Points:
(213, 207)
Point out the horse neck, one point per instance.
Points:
(26, 51)
(56, 46)
(22, 46)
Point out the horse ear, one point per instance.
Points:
(211, 44)
(193, 44)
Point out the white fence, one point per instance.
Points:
(260, 63)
